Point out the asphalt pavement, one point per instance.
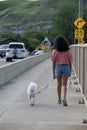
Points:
(17, 114)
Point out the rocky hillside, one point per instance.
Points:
(24, 14)
(20, 15)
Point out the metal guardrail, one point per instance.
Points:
(10, 71)
(79, 53)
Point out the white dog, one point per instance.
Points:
(31, 92)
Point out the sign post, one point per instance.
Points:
(79, 23)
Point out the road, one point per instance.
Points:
(10, 92)
(17, 114)
(3, 61)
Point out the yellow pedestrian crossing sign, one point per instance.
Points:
(43, 47)
(79, 34)
(79, 22)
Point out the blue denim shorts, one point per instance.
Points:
(62, 69)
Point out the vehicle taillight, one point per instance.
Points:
(7, 50)
(22, 50)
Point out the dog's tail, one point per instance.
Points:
(32, 85)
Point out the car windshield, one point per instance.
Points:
(19, 46)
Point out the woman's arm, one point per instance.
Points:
(70, 67)
(53, 67)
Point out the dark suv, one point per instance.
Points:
(3, 50)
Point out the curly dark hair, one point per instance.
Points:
(61, 44)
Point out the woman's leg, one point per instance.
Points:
(59, 86)
(65, 79)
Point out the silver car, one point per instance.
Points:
(16, 50)
(3, 50)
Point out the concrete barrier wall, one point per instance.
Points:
(10, 71)
(79, 53)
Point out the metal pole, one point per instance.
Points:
(80, 14)
(81, 8)
(79, 40)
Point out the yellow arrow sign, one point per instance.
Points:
(79, 22)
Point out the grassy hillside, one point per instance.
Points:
(24, 14)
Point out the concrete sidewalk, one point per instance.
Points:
(46, 114)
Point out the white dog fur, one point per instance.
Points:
(31, 92)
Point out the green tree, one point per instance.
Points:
(33, 43)
(34, 38)
(31, 38)
(35, 34)
(85, 27)
(63, 21)
(12, 35)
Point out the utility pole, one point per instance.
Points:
(81, 8)
(79, 40)
(80, 14)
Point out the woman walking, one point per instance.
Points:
(61, 65)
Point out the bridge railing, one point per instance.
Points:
(79, 53)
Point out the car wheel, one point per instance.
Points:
(7, 59)
(10, 59)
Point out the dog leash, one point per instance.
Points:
(45, 87)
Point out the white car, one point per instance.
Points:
(16, 50)
(39, 52)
